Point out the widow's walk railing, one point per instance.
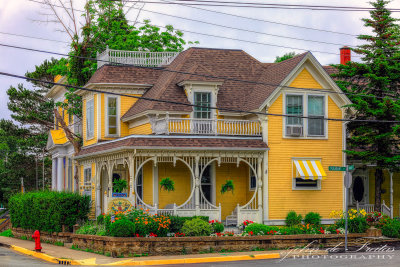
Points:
(138, 58)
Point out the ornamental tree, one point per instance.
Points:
(374, 84)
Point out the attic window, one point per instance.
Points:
(202, 99)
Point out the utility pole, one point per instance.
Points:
(37, 179)
(43, 168)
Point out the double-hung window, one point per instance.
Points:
(87, 182)
(112, 121)
(202, 99)
(311, 106)
(316, 114)
(90, 119)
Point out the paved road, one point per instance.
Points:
(356, 260)
(9, 257)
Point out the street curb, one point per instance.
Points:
(198, 260)
(92, 261)
(44, 257)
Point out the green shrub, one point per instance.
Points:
(100, 219)
(293, 219)
(92, 228)
(391, 229)
(260, 229)
(218, 227)
(312, 218)
(177, 222)
(291, 230)
(356, 225)
(7, 233)
(48, 210)
(122, 228)
(196, 227)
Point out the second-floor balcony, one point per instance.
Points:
(169, 125)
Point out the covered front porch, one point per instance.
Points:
(362, 191)
(198, 177)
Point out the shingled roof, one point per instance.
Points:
(203, 64)
(177, 143)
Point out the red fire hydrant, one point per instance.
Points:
(36, 236)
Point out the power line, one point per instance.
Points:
(254, 5)
(263, 20)
(33, 37)
(236, 28)
(200, 75)
(192, 105)
(218, 36)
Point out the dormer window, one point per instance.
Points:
(202, 99)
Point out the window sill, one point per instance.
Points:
(306, 137)
(112, 136)
(89, 139)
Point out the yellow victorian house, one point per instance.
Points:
(140, 126)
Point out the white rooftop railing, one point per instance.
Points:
(138, 58)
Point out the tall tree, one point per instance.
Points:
(375, 80)
(105, 25)
(285, 57)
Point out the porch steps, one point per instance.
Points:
(231, 219)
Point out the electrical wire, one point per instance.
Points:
(33, 37)
(193, 105)
(228, 38)
(200, 75)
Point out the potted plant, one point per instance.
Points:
(167, 184)
(228, 186)
(119, 185)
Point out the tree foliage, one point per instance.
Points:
(285, 57)
(375, 82)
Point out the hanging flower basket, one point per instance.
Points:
(167, 184)
(228, 186)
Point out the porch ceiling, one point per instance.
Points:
(173, 143)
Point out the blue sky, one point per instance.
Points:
(22, 17)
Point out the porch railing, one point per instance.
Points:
(371, 207)
(206, 126)
(139, 58)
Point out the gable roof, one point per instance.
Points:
(203, 65)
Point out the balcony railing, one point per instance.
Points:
(138, 58)
(206, 126)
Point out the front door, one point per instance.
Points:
(360, 189)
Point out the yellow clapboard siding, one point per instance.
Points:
(282, 198)
(181, 176)
(386, 186)
(240, 195)
(143, 129)
(126, 104)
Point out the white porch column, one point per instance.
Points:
(391, 194)
(264, 173)
(197, 186)
(60, 172)
(110, 167)
(259, 192)
(54, 174)
(98, 194)
(131, 176)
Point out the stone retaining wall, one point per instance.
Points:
(63, 237)
(128, 246)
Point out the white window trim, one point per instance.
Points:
(106, 116)
(317, 188)
(84, 174)
(305, 111)
(250, 188)
(86, 122)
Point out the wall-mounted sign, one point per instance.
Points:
(119, 195)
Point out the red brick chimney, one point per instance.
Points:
(345, 55)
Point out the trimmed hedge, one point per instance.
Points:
(47, 210)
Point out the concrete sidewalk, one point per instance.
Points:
(65, 255)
